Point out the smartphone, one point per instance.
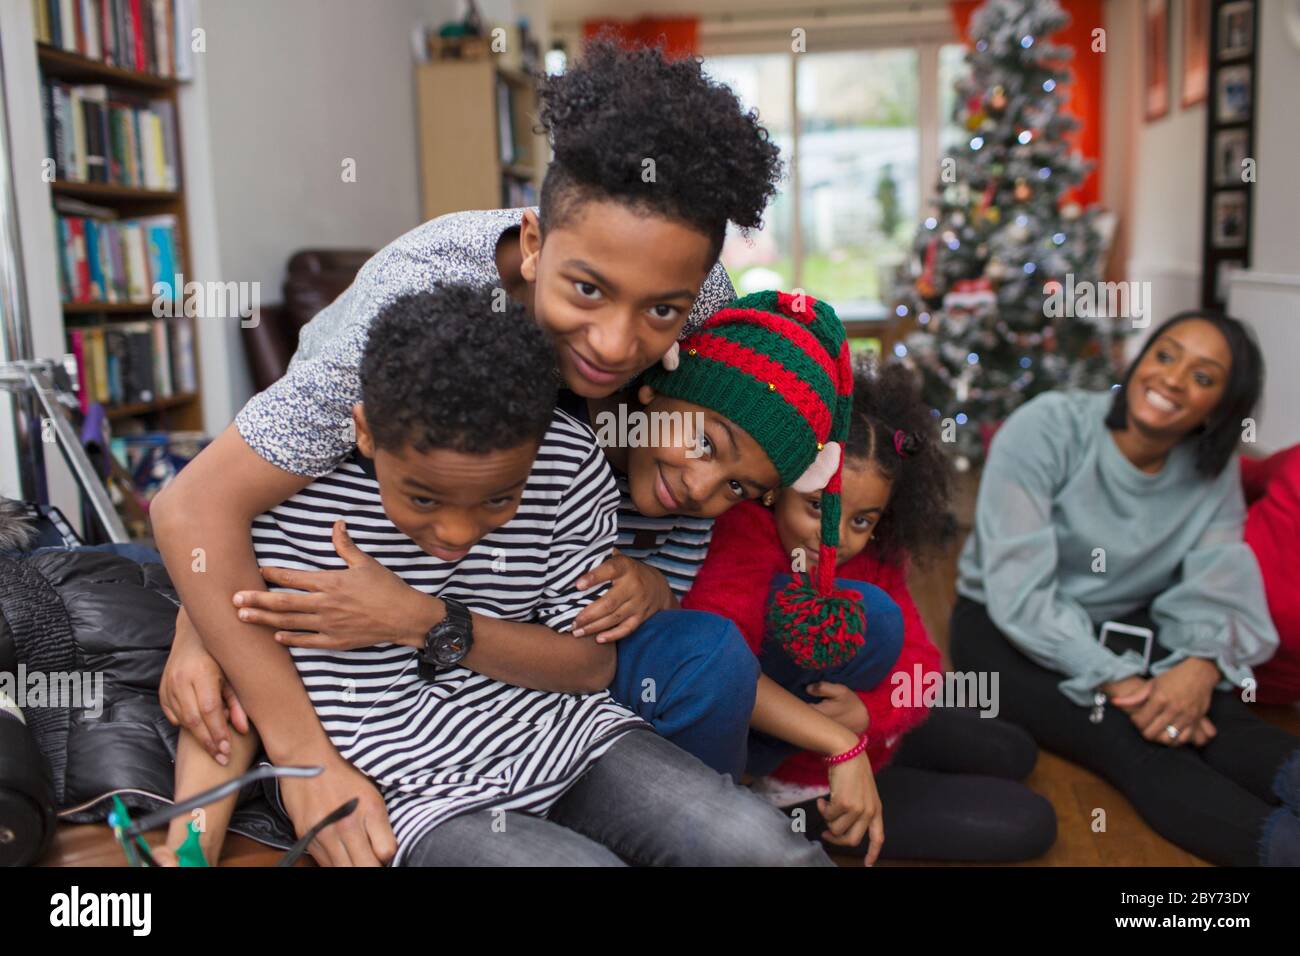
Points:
(1123, 637)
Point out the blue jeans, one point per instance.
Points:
(867, 668)
(693, 677)
(644, 802)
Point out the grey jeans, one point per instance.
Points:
(645, 802)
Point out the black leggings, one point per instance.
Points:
(952, 793)
(1220, 801)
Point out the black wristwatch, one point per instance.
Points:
(448, 641)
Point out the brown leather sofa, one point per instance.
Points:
(313, 279)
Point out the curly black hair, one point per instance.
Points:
(618, 107)
(457, 367)
(893, 430)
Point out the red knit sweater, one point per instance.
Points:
(734, 581)
(1272, 488)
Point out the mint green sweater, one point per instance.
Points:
(1059, 502)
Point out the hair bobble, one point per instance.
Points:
(906, 444)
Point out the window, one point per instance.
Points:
(952, 67)
(764, 260)
(847, 212)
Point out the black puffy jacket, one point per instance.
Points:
(109, 621)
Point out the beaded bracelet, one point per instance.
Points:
(849, 754)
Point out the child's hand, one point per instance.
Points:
(841, 705)
(853, 810)
(360, 606)
(164, 856)
(363, 838)
(637, 592)
(194, 693)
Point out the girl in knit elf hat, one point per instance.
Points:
(775, 366)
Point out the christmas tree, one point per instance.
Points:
(1001, 242)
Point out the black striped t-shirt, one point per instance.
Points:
(461, 742)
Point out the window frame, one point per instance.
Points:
(929, 122)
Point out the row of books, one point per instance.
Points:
(148, 36)
(128, 362)
(104, 259)
(97, 134)
(517, 193)
(152, 458)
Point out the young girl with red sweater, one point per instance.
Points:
(949, 785)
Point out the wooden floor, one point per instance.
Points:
(1073, 791)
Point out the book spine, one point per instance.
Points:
(186, 377)
(107, 237)
(168, 40)
(103, 12)
(133, 149)
(103, 393)
(90, 30)
(137, 37)
(140, 263)
(78, 30)
(125, 43)
(94, 159)
(65, 247)
(78, 115)
(96, 278)
(118, 251)
(56, 22)
(41, 17)
(167, 118)
(79, 356)
(50, 118)
(162, 358)
(81, 271)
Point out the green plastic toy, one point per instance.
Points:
(129, 833)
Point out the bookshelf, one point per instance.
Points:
(109, 90)
(478, 148)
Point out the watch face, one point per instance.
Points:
(451, 648)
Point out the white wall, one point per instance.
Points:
(1275, 243)
(1268, 295)
(1167, 162)
(292, 89)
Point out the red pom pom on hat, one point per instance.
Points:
(817, 630)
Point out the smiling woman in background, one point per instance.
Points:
(1127, 507)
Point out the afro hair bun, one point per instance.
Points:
(629, 124)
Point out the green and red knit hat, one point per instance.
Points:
(777, 364)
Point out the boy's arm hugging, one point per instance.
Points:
(284, 438)
(208, 554)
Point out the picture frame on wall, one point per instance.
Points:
(1156, 58)
(1234, 94)
(1236, 30)
(1231, 148)
(1196, 52)
(1222, 269)
(1228, 228)
(1228, 196)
